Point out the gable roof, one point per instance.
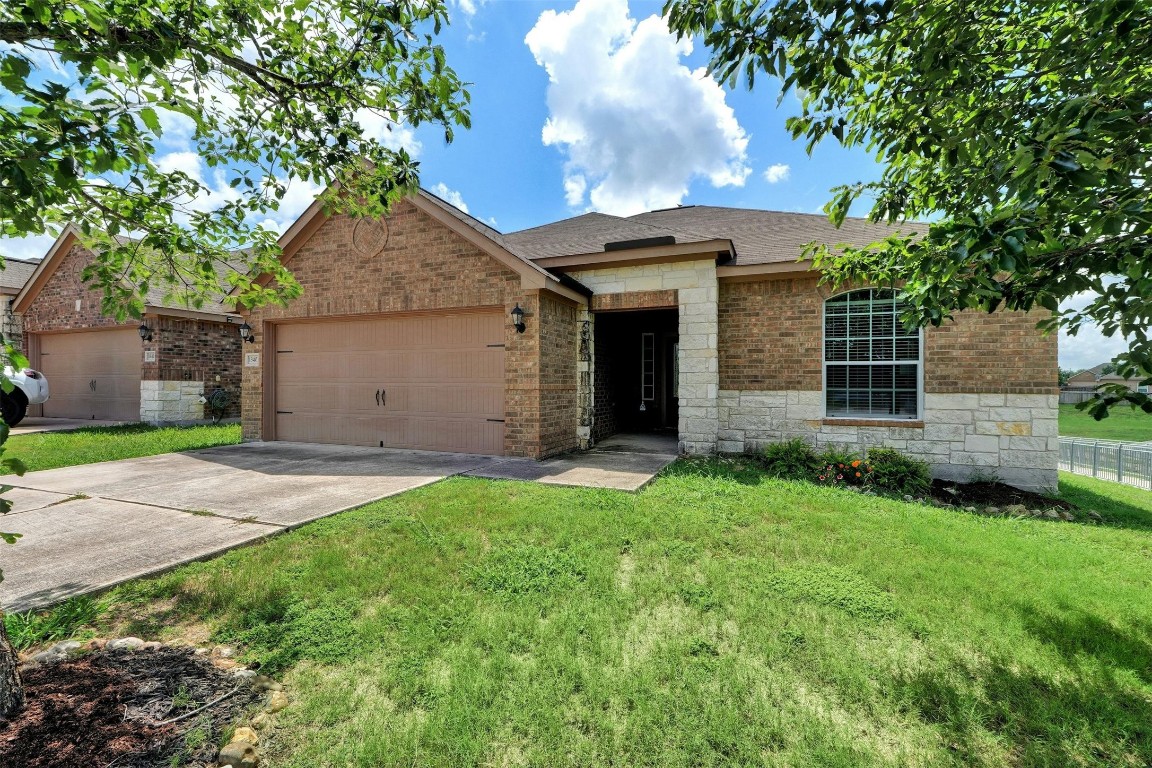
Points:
(757, 236)
(15, 275)
(154, 301)
(484, 237)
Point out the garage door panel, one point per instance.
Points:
(441, 379)
(92, 375)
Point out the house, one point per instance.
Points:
(155, 369)
(1090, 378)
(699, 322)
(12, 280)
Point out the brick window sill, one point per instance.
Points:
(902, 423)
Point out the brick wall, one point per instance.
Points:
(65, 301)
(417, 264)
(1001, 353)
(558, 356)
(196, 351)
(770, 334)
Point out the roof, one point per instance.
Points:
(759, 237)
(154, 300)
(15, 275)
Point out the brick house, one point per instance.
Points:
(99, 368)
(698, 322)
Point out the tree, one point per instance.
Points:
(1065, 374)
(266, 92)
(1021, 129)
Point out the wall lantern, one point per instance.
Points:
(518, 319)
(246, 332)
(145, 332)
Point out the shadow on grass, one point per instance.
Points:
(1116, 513)
(1091, 712)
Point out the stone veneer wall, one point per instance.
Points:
(11, 325)
(163, 402)
(697, 294)
(1013, 437)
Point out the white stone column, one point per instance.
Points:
(699, 364)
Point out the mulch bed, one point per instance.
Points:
(105, 709)
(997, 494)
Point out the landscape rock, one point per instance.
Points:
(1095, 515)
(1052, 514)
(239, 754)
(277, 701)
(969, 509)
(151, 646)
(243, 673)
(47, 657)
(261, 721)
(244, 733)
(200, 652)
(1016, 509)
(67, 648)
(265, 683)
(125, 643)
(224, 651)
(96, 645)
(223, 663)
(1067, 516)
(992, 510)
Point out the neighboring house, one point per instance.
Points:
(99, 368)
(12, 279)
(1090, 378)
(697, 321)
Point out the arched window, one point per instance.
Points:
(872, 364)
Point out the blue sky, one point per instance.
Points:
(593, 105)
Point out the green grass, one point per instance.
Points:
(64, 621)
(48, 450)
(1123, 423)
(719, 617)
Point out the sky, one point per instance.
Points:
(593, 105)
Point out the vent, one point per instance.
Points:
(643, 242)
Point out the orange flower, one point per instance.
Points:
(857, 474)
(856, 463)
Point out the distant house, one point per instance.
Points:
(156, 369)
(1091, 378)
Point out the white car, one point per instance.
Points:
(29, 388)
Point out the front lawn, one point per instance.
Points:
(48, 450)
(1123, 423)
(716, 618)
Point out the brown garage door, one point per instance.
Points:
(433, 382)
(92, 375)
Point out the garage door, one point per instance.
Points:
(431, 382)
(92, 375)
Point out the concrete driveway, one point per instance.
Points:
(90, 527)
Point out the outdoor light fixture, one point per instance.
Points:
(246, 332)
(518, 319)
(145, 332)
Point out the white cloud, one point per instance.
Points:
(777, 173)
(468, 7)
(392, 135)
(33, 247)
(451, 196)
(637, 125)
(185, 161)
(1090, 346)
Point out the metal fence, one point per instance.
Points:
(1129, 463)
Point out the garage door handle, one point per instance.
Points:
(384, 397)
(377, 398)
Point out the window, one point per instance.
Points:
(647, 366)
(871, 362)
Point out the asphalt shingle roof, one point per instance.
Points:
(760, 237)
(15, 275)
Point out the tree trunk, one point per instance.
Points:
(11, 687)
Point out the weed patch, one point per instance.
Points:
(528, 570)
(280, 635)
(33, 628)
(835, 588)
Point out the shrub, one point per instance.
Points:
(854, 473)
(836, 455)
(792, 459)
(893, 472)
